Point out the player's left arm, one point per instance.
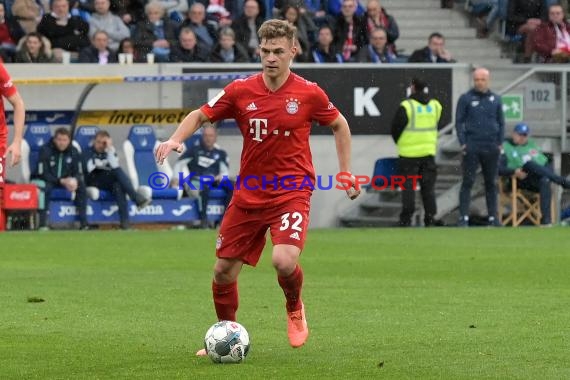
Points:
(342, 138)
(14, 150)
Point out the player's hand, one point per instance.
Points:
(352, 191)
(165, 148)
(15, 153)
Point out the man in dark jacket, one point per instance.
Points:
(102, 170)
(188, 48)
(60, 165)
(99, 51)
(64, 31)
(209, 168)
(414, 130)
(480, 126)
(435, 52)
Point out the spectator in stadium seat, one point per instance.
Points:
(324, 50)
(188, 49)
(376, 17)
(227, 50)
(99, 51)
(204, 30)
(350, 33)
(524, 17)
(102, 170)
(414, 130)
(480, 126)
(552, 38)
(524, 159)
(60, 166)
(65, 32)
(34, 48)
(103, 19)
(206, 159)
(435, 52)
(156, 33)
(130, 11)
(305, 28)
(246, 28)
(28, 13)
(127, 46)
(376, 51)
(10, 34)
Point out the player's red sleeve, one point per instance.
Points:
(7, 88)
(324, 111)
(221, 106)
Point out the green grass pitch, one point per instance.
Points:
(442, 303)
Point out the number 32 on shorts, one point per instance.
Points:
(292, 220)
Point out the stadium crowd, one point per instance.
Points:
(335, 31)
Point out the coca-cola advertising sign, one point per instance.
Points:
(20, 197)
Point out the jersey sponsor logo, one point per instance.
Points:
(292, 106)
(330, 106)
(258, 127)
(295, 235)
(8, 84)
(219, 241)
(251, 107)
(215, 99)
(206, 162)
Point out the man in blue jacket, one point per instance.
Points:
(60, 165)
(480, 126)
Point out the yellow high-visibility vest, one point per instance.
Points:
(419, 138)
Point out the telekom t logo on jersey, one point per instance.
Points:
(258, 127)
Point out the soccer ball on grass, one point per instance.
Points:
(227, 342)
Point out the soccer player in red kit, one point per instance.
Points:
(274, 111)
(9, 91)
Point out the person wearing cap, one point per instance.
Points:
(480, 125)
(414, 130)
(524, 159)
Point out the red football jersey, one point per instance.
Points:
(7, 89)
(276, 162)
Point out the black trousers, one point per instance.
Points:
(427, 170)
(538, 180)
(486, 155)
(117, 182)
(80, 203)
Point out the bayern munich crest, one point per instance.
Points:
(292, 106)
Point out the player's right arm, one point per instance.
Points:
(187, 127)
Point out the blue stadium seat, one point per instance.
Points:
(139, 154)
(385, 169)
(84, 135)
(35, 136)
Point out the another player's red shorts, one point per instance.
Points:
(242, 233)
(3, 148)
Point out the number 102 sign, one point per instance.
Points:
(540, 96)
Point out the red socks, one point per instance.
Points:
(291, 286)
(225, 300)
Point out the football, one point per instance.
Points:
(227, 342)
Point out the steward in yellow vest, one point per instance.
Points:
(414, 130)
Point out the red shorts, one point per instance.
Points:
(3, 162)
(242, 233)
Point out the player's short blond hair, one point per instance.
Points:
(272, 29)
